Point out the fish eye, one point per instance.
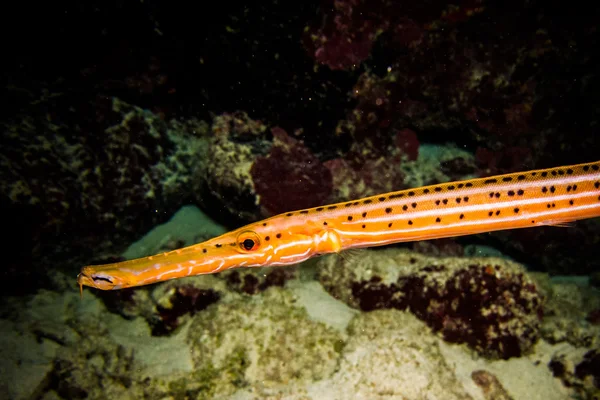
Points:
(248, 241)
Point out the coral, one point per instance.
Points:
(388, 356)
(490, 385)
(488, 303)
(262, 340)
(253, 171)
(97, 368)
(346, 36)
(364, 178)
(579, 369)
(407, 142)
(96, 168)
(458, 167)
(225, 182)
(290, 177)
(439, 247)
(568, 306)
(253, 281)
(181, 300)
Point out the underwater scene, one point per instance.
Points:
(338, 199)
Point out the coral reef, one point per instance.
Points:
(567, 312)
(254, 172)
(488, 303)
(264, 341)
(579, 369)
(225, 182)
(253, 280)
(290, 177)
(388, 356)
(97, 169)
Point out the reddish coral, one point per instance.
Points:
(186, 299)
(358, 179)
(346, 37)
(488, 303)
(290, 176)
(476, 306)
(251, 281)
(406, 141)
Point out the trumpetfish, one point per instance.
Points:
(551, 196)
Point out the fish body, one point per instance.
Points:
(551, 196)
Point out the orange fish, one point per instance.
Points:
(552, 196)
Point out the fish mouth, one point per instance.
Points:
(95, 280)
